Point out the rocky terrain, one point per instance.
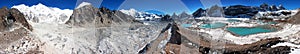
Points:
(295, 19)
(102, 17)
(91, 30)
(15, 32)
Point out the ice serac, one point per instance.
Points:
(102, 17)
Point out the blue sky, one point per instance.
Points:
(192, 5)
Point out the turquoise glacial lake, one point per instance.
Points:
(186, 25)
(243, 31)
(213, 25)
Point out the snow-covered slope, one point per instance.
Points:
(42, 14)
(140, 15)
(276, 15)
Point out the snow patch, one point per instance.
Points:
(293, 46)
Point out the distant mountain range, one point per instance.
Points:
(237, 11)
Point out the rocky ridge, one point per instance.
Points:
(90, 16)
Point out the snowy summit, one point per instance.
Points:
(83, 4)
(42, 14)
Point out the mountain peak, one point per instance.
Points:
(40, 13)
(83, 4)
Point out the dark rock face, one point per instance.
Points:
(175, 36)
(199, 13)
(102, 17)
(4, 14)
(273, 8)
(19, 17)
(10, 17)
(240, 11)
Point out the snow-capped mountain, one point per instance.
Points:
(140, 15)
(42, 14)
(276, 15)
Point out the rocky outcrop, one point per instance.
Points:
(295, 19)
(88, 15)
(4, 14)
(11, 17)
(19, 17)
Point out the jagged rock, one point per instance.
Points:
(264, 7)
(90, 16)
(166, 18)
(199, 13)
(215, 11)
(281, 7)
(273, 8)
(11, 17)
